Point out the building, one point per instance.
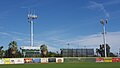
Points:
(77, 52)
(29, 51)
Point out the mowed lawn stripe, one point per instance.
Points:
(64, 65)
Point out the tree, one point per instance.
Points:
(97, 51)
(101, 50)
(108, 50)
(13, 47)
(1, 52)
(112, 55)
(53, 54)
(1, 48)
(12, 51)
(44, 50)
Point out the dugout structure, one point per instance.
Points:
(30, 51)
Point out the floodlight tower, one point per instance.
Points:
(31, 17)
(103, 22)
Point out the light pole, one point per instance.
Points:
(68, 49)
(119, 53)
(31, 17)
(103, 22)
(85, 51)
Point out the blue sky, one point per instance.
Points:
(60, 22)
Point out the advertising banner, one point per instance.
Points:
(6, 60)
(27, 60)
(59, 60)
(19, 61)
(36, 60)
(52, 60)
(115, 59)
(16, 60)
(99, 59)
(107, 59)
(12, 61)
(44, 60)
(1, 61)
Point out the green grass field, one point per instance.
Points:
(64, 65)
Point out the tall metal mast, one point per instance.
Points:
(103, 22)
(31, 17)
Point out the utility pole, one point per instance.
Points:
(103, 22)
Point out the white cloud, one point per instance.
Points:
(98, 6)
(90, 41)
(54, 43)
(113, 38)
(93, 41)
(113, 2)
(18, 33)
(50, 46)
(54, 49)
(4, 33)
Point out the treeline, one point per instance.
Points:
(101, 51)
(11, 52)
(14, 52)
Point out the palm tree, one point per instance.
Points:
(97, 51)
(1, 51)
(1, 48)
(44, 50)
(13, 47)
